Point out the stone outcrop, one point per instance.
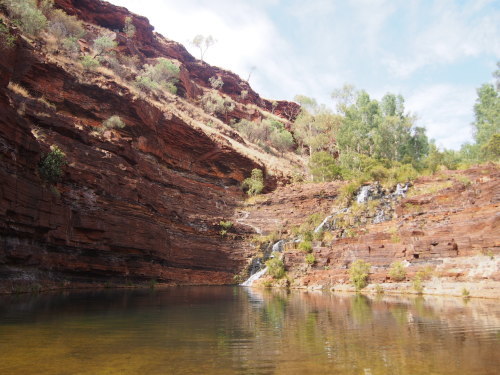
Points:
(453, 215)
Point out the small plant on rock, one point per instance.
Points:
(225, 226)
(397, 272)
(305, 246)
(358, 273)
(89, 63)
(51, 165)
(310, 259)
(113, 122)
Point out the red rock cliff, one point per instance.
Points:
(135, 204)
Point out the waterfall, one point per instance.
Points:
(320, 227)
(254, 277)
(278, 246)
(400, 190)
(363, 194)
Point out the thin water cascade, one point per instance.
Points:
(255, 277)
(401, 190)
(363, 194)
(323, 223)
(278, 247)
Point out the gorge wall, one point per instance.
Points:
(135, 205)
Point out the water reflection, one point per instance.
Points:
(223, 330)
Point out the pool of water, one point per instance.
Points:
(235, 330)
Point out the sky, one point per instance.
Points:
(434, 53)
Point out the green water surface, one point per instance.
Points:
(235, 330)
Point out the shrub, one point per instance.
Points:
(305, 246)
(7, 40)
(164, 74)
(465, 293)
(129, 28)
(275, 266)
(379, 173)
(358, 273)
(213, 103)
(216, 82)
(254, 131)
(89, 63)
(25, 12)
(70, 44)
(310, 259)
(397, 272)
(51, 165)
(323, 167)
(113, 122)
(63, 25)
(255, 183)
(226, 224)
(282, 140)
(103, 45)
(146, 84)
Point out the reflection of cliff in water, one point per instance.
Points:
(224, 330)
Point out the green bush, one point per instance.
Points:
(129, 28)
(26, 13)
(226, 224)
(310, 259)
(103, 45)
(113, 122)
(305, 246)
(323, 167)
(216, 82)
(275, 266)
(282, 140)
(70, 44)
(358, 273)
(63, 25)
(164, 74)
(255, 183)
(51, 165)
(7, 40)
(397, 271)
(89, 63)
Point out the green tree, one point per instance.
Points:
(487, 114)
(323, 167)
(255, 183)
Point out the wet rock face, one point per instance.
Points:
(133, 205)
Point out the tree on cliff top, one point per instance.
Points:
(203, 43)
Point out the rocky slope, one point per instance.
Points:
(447, 226)
(135, 205)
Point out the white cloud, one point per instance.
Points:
(453, 33)
(446, 112)
(316, 46)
